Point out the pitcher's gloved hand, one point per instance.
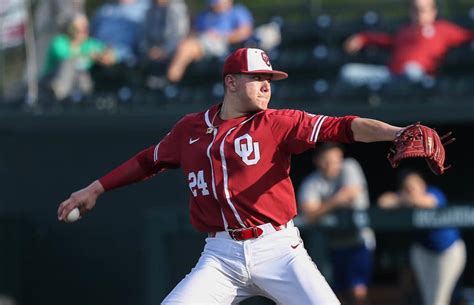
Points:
(419, 141)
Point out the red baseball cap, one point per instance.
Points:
(251, 61)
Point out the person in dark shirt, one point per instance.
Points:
(166, 24)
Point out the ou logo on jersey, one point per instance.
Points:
(244, 147)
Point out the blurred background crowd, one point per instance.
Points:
(85, 84)
(156, 52)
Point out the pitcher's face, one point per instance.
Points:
(253, 90)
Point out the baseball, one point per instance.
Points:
(73, 215)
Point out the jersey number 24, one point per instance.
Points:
(196, 181)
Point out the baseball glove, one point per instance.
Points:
(419, 141)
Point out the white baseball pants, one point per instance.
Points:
(275, 265)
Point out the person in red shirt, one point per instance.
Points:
(236, 158)
(417, 49)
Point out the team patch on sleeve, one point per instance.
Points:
(317, 127)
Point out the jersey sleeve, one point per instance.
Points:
(297, 131)
(145, 164)
(166, 153)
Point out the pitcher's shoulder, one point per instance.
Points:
(283, 113)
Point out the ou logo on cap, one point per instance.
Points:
(244, 147)
(266, 59)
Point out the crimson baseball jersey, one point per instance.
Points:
(426, 45)
(237, 169)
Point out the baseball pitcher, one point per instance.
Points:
(236, 158)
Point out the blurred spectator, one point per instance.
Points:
(340, 183)
(69, 58)
(50, 18)
(417, 49)
(119, 25)
(438, 256)
(215, 29)
(166, 24)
